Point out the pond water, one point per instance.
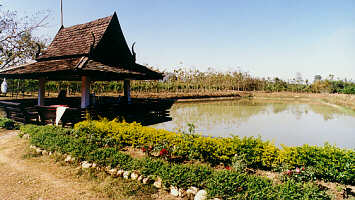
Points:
(289, 122)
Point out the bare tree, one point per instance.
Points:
(17, 42)
(317, 78)
(299, 78)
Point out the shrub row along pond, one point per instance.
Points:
(327, 162)
(104, 148)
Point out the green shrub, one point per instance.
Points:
(348, 90)
(238, 163)
(50, 137)
(152, 166)
(329, 162)
(226, 184)
(300, 190)
(236, 185)
(8, 124)
(102, 156)
(184, 176)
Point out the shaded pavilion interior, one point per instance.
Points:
(94, 51)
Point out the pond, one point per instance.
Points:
(283, 121)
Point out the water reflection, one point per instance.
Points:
(284, 122)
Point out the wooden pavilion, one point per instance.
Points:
(94, 51)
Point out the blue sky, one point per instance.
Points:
(263, 37)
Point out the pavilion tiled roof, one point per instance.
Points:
(97, 49)
(76, 40)
(72, 68)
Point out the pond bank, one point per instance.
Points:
(193, 95)
(344, 100)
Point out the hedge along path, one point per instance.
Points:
(223, 183)
(23, 179)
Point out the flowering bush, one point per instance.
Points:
(299, 174)
(163, 152)
(147, 150)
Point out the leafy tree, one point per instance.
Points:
(17, 42)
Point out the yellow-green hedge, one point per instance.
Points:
(213, 150)
(332, 163)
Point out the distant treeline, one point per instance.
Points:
(195, 81)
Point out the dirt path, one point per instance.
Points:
(24, 179)
(26, 176)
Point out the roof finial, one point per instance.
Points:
(91, 52)
(61, 13)
(133, 52)
(38, 49)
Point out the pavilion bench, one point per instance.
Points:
(71, 116)
(20, 113)
(46, 114)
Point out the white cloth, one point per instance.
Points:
(4, 86)
(59, 113)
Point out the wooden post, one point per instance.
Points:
(41, 91)
(85, 92)
(127, 90)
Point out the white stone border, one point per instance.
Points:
(191, 193)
